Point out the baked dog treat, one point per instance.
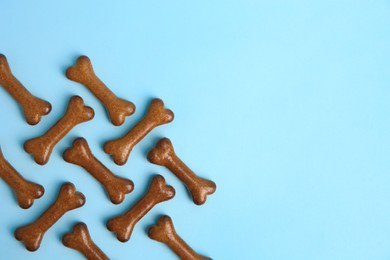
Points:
(164, 154)
(26, 191)
(67, 200)
(123, 224)
(33, 108)
(116, 187)
(156, 115)
(117, 108)
(80, 240)
(76, 113)
(165, 232)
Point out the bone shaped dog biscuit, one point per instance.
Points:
(116, 107)
(26, 192)
(80, 154)
(80, 240)
(165, 232)
(67, 200)
(158, 192)
(156, 115)
(76, 113)
(33, 108)
(164, 154)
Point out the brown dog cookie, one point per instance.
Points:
(156, 115)
(76, 113)
(118, 109)
(165, 232)
(116, 187)
(67, 200)
(33, 108)
(158, 192)
(164, 154)
(80, 240)
(26, 191)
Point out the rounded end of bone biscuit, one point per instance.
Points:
(75, 102)
(160, 114)
(117, 152)
(162, 230)
(118, 191)
(78, 152)
(80, 201)
(40, 190)
(169, 116)
(119, 120)
(34, 191)
(31, 238)
(2, 159)
(159, 188)
(33, 115)
(3, 63)
(80, 228)
(119, 110)
(121, 230)
(88, 113)
(77, 237)
(207, 188)
(83, 60)
(26, 204)
(161, 153)
(47, 108)
(40, 153)
(71, 198)
(81, 71)
(119, 160)
(76, 106)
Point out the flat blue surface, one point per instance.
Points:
(284, 104)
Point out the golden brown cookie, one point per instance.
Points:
(164, 154)
(123, 224)
(33, 108)
(26, 191)
(67, 200)
(118, 109)
(80, 240)
(76, 113)
(156, 115)
(81, 155)
(165, 232)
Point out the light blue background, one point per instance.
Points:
(284, 104)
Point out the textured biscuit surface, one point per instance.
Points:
(33, 108)
(80, 240)
(123, 224)
(163, 154)
(117, 108)
(115, 186)
(67, 200)
(42, 147)
(26, 191)
(164, 232)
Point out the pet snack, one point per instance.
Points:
(26, 191)
(80, 240)
(67, 200)
(118, 109)
(165, 232)
(123, 224)
(164, 154)
(41, 147)
(120, 148)
(33, 108)
(116, 187)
